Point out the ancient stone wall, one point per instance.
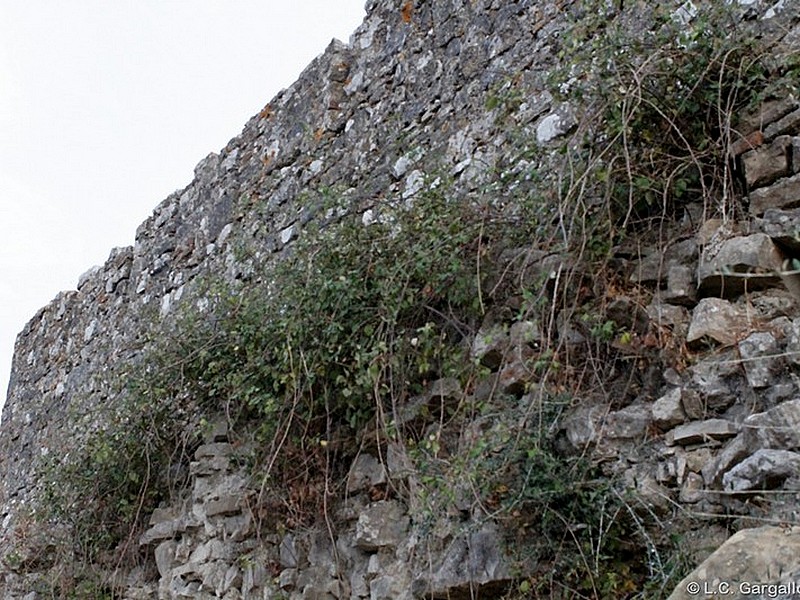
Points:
(409, 98)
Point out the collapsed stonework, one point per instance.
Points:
(706, 427)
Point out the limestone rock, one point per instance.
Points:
(762, 555)
(715, 321)
(785, 193)
(668, 410)
(382, 524)
(474, 561)
(734, 266)
(490, 346)
(760, 358)
(702, 431)
(767, 164)
(366, 472)
(781, 226)
(764, 470)
(777, 428)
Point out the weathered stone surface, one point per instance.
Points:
(474, 561)
(752, 556)
(490, 345)
(768, 112)
(692, 489)
(733, 452)
(788, 124)
(382, 524)
(702, 431)
(592, 425)
(764, 470)
(767, 164)
(668, 410)
(777, 428)
(681, 286)
(782, 226)
(760, 358)
(364, 121)
(734, 266)
(716, 321)
(785, 193)
(654, 268)
(365, 472)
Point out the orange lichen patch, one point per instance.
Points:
(407, 10)
(318, 133)
(266, 112)
(742, 145)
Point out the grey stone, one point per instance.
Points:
(739, 264)
(215, 450)
(681, 286)
(692, 489)
(777, 428)
(716, 321)
(751, 556)
(782, 226)
(702, 431)
(161, 531)
(382, 524)
(225, 505)
(767, 164)
(714, 380)
(733, 452)
(765, 469)
(668, 410)
(795, 166)
(629, 423)
(474, 561)
(768, 112)
(289, 556)
(165, 557)
(365, 472)
(789, 123)
(760, 359)
(490, 345)
(785, 193)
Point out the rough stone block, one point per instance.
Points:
(768, 112)
(782, 226)
(702, 431)
(668, 411)
(165, 557)
(765, 469)
(739, 264)
(777, 428)
(760, 359)
(365, 472)
(789, 123)
(382, 524)
(715, 321)
(490, 345)
(754, 556)
(783, 194)
(767, 164)
(681, 286)
(225, 505)
(692, 489)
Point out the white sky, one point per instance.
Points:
(105, 109)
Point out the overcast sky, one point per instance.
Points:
(105, 109)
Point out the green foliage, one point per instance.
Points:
(355, 314)
(667, 94)
(104, 489)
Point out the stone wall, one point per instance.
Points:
(406, 99)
